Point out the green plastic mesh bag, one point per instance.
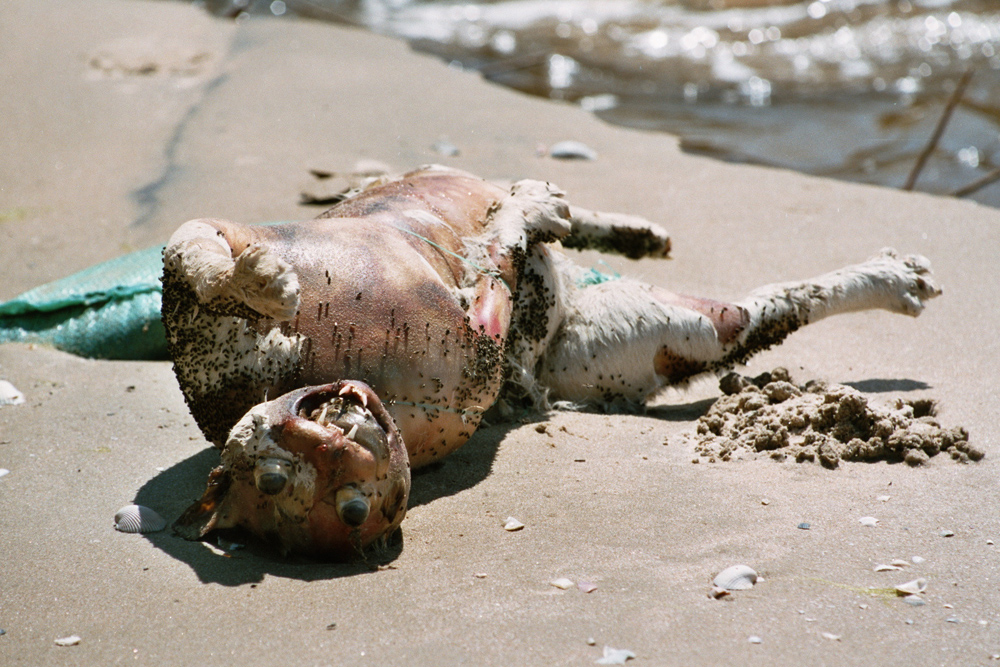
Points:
(110, 311)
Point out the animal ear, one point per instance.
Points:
(204, 516)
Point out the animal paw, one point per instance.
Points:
(533, 212)
(909, 278)
(266, 283)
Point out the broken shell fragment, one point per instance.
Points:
(615, 656)
(869, 521)
(138, 519)
(915, 587)
(562, 583)
(887, 568)
(72, 640)
(572, 150)
(9, 394)
(512, 524)
(586, 586)
(736, 578)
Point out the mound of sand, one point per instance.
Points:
(820, 422)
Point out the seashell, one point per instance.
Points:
(572, 150)
(915, 587)
(914, 600)
(803, 526)
(736, 578)
(512, 524)
(947, 533)
(917, 560)
(754, 639)
(887, 568)
(832, 637)
(899, 562)
(562, 583)
(4, 472)
(869, 521)
(138, 519)
(445, 148)
(586, 586)
(615, 656)
(9, 394)
(884, 499)
(72, 640)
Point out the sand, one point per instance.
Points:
(123, 119)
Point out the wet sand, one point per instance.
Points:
(123, 119)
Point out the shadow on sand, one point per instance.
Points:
(171, 491)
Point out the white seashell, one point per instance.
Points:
(754, 639)
(914, 600)
(884, 499)
(572, 150)
(736, 578)
(899, 562)
(869, 521)
(887, 568)
(586, 586)
(138, 519)
(445, 148)
(512, 524)
(72, 640)
(562, 583)
(915, 587)
(9, 394)
(615, 656)
(4, 472)
(832, 637)
(917, 560)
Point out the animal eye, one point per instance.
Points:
(271, 475)
(352, 506)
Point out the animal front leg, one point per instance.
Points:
(623, 340)
(627, 235)
(228, 268)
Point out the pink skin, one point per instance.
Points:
(309, 524)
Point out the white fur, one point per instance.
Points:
(261, 280)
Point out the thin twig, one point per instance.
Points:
(978, 184)
(953, 101)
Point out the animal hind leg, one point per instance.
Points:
(622, 340)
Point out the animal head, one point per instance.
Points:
(320, 471)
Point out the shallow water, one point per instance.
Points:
(846, 88)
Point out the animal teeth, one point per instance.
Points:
(353, 432)
(138, 519)
(348, 389)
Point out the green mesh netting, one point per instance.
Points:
(110, 311)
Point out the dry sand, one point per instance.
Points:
(121, 119)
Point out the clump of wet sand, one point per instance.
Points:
(824, 423)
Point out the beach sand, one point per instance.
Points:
(123, 119)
